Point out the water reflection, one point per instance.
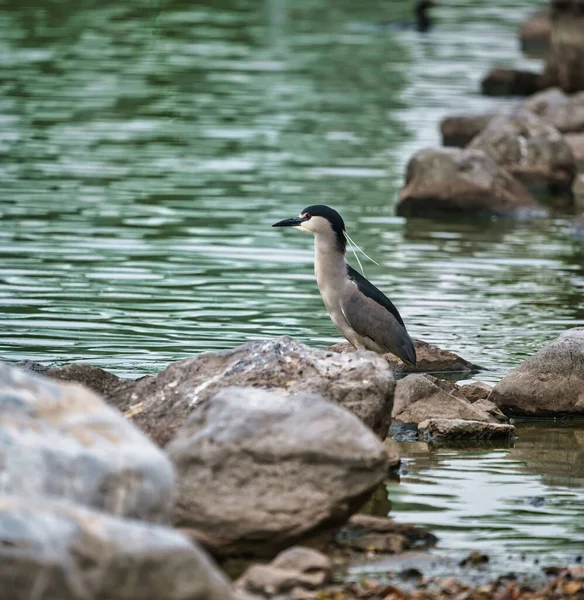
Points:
(501, 496)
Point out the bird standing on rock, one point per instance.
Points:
(362, 313)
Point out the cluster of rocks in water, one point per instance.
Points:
(128, 486)
(520, 162)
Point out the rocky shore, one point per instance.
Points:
(191, 467)
(526, 161)
(258, 461)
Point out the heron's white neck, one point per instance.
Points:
(329, 265)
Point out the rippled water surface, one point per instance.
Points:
(146, 148)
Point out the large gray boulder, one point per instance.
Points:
(260, 470)
(529, 148)
(62, 440)
(51, 549)
(459, 182)
(421, 397)
(362, 383)
(551, 382)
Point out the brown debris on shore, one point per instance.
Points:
(567, 583)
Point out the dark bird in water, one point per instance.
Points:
(362, 313)
(422, 22)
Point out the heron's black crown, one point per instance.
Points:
(333, 217)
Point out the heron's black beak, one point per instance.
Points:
(290, 222)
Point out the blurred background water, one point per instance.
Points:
(146, 147)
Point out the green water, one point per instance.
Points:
(146, 147)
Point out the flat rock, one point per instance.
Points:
(549, 383)
(477, 390)
(564, 111)
(241, 444)
(511, 82)
(62, 440)
(459, 130)
(52, 549)
(102, 382)
(295, 569)
(365, 533)
(361, 383)
(459, 182)
(420, 397)
(430, 358)
(529, 148)
(462, 429)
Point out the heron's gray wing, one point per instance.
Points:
(371, 314)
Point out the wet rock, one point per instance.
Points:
(241, 444)
(62, 440)
(365, 533)
(474, 559)
(393, 455)
(576, 143)
(534, 32)
(459, 130)
(564, 112)
(491, 409)
(530, 149)
(362, 383)
(54, 549)
(459, 182)
(102, 382)
(566, 53)
(477, 390)
(462, 429)
(551, 382)
(430, 358)
(420, 397)
(293, 570)
(511, 82)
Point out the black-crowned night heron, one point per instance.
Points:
(363, 314)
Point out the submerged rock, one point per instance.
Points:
(291, 572)
(62, 440)
(459, 182)
(365, 533)
(362, 383)
(259, 470)
(549, 383)
(420, 397)
(463, 429)
(511, 82)
(530, 149)
(459, 130)
(54, 549)
(430, 358)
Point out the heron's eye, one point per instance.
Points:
(307, 216)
